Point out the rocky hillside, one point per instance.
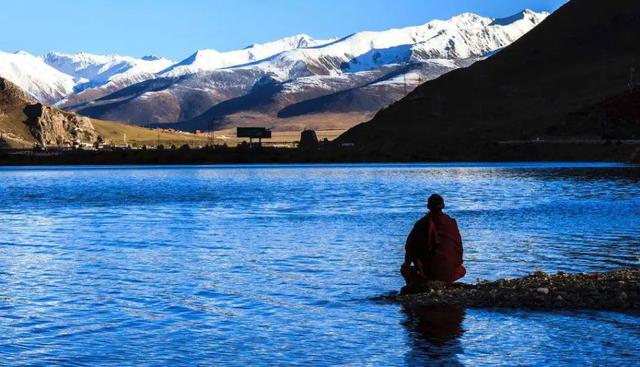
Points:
(23, 121)
(542, 87)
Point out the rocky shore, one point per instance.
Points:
(615, 290)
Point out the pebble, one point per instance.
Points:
(543, 290)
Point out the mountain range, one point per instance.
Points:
(290, 83)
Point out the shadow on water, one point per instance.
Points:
(434, 334)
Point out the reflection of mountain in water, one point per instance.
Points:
(434, 334)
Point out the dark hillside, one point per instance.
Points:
(542, 85)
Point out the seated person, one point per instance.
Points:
(434, 247)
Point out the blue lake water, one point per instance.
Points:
(259, 265)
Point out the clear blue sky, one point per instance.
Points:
(176, 28)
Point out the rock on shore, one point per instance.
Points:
(615, 290)
(25, 121)
(51, 126)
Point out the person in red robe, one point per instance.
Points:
(433, 250)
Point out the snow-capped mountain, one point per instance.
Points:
(286, 78)
(55, 77)
(461, 37)
(40, 80)
(100, 69)
(98, 75)
(209, 60)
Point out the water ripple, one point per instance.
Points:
(239, 265)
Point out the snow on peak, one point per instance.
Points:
(469, 35)
(99, 69)
(30, 73)
(463, 36)
(209, 60)
(297, 41)
(468, 18)
(525, 15)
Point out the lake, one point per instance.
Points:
(279, 265)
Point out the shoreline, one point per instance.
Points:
(459, 164)
(214, 155)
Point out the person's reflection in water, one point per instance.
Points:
(434, 333)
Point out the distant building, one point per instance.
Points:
(308, 140)
(253, 133)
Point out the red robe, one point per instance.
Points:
(435, 240)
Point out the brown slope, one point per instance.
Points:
(12, 102)
(340, 102)
(372, 96)
(169, 100)
(25, 122)
(581, 54)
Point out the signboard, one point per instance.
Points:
(253, 133)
